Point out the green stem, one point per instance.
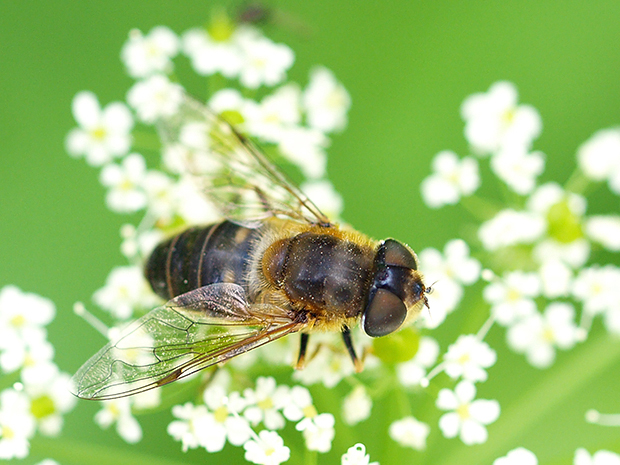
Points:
(310, 457)
(70, 451)
(548, 394)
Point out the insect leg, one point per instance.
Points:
(303, 345)
(357, 363)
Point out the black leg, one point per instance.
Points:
(303, 345)
(346, 336)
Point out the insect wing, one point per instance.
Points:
(236, 175)
(195, 330)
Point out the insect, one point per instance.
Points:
(274, 266)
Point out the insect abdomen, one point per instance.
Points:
(321, 272)
(200, 256)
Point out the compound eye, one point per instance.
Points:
(399, 254)
(384, 314)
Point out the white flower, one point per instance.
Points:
(125, 289)
(192, 204)
(512, 297)
(269, 449)
(17, 425)
(537, 335)
(50, 397)
(148, 54)
(126, 194)
(155, 98)
(518, 456)
(612, 320)
(318, 431)
(209, 56)
(563, 212)
(139, 244)
(263, 62)
(103, 134)
(306, 148)
(598, 288)
(326, 101)
(356, 406)
(27, 354)
(178, 158)
(468, 357)
(510, 227)
(410, 373)
(357, 455)
(119, 411)
(551, 194)
(599, 156)
(275, 112)
(451, 179)
(223, 419)
(467, 416)
(601, 457)
(160, 195)
(556, 278)
(494, 119)
(324, 196)
(23, 315)
(443, 300)
(518, 168)
(230, 100)
(47, 462)
(299, 404)
(604, 229)
(455, 263)
(409, 432)
(265, 403)
(575, 253)
(326, 366)
(191, 426)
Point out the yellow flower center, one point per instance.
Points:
(508, 116)
(98, 133)
(6, 433)
(221, 414)
(18, 321)
(548, 335)
(463, 411)
(513, 295)
(266, 404)
(310, 411)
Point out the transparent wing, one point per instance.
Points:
(191, 332)
(236, 175)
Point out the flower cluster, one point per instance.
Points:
(39, 395)
(232, 416)
(547, 230)
(293, 124)
(532, 258)
(538, 247)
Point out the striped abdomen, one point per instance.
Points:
(200, 256)
(322, 271)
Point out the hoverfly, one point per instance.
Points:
(274, 266)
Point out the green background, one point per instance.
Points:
(407, 65)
